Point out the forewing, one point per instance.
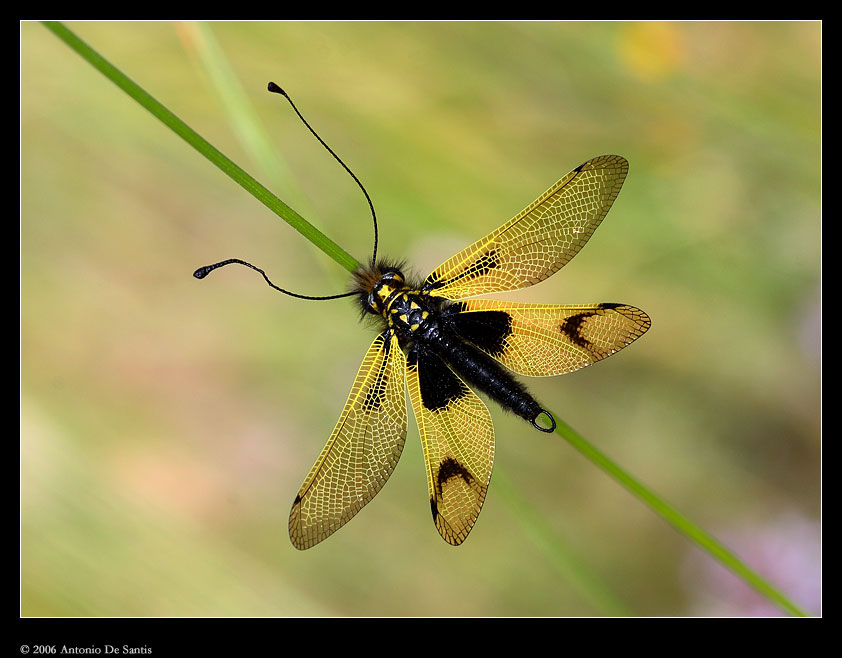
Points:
(362, 451)
(458, 439)
(543, 340)
(540, 240)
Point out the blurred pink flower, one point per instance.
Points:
(786, 552)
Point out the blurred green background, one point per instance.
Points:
(167, 423)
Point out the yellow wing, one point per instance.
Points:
(540, 240)
(361, 453)
(541, 340)
(458, 439)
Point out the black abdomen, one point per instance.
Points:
(425, 328)
(481, 371)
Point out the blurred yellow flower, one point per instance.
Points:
(651, 50)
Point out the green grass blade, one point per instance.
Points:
(200, 41)
(681, 523)
(195, 140)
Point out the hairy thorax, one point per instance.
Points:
(408, 310)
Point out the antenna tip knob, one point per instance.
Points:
(549, 416)
(201, 273)
(276, 89)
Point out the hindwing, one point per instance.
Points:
(458, 439)
(540, 240)
(541, 340)
(362, 451)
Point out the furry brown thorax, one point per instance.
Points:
(379, 283)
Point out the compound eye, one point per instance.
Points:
(371, 302)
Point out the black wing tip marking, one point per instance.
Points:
(609, 157)
(446, 532)
(642, 318)
(300, 540)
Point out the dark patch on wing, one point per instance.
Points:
(449, 469)
(438, 384)
(377, 391)
(482, 265)
(572, 328)
(374, 396)
(485, 263)
(487, 330)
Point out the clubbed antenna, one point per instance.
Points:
(277, 90)
(202, 272)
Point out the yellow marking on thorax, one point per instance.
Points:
(383, 293)
(397, 293)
